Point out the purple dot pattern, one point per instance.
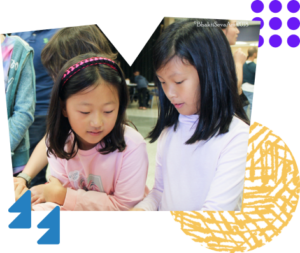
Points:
(293, 40)
(261, 41)
(275, 23)
(275, 40)
(275, 6)
(262, 21)
(293, 6)
(293, 23)
(257, 6)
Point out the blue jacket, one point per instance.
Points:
(20, 101)
(44, 83)
(141, 82)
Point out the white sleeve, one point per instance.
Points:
(153, 199)
(227, 186)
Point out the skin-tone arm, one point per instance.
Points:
(239, 59)
(19, 191)
(55, 192)
(52, 192)
(37, 161)
(136, 209)
(239, 72)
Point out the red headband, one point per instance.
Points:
(85, 63)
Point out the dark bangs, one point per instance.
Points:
(208, 50)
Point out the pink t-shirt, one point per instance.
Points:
(97, 182)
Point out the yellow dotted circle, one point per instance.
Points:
(271, 194)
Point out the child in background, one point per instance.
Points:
(19, 81)
(97, 162)
(201, 130)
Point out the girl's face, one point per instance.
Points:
(180, 83)
(231, 32)
(92, 113)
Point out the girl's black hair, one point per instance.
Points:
(58, 126)
(208, 50)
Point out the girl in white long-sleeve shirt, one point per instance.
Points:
(202, 130)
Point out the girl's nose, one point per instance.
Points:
(171, 91)
(96, 121)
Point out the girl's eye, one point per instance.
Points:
(88, 112)
(175, 82)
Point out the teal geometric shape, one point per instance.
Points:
(22, 206)
(51, 221)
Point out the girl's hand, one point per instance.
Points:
(20, 189)
(239, 57)
(17, 181)
(38, 194)
(55, 192)
(136, 209)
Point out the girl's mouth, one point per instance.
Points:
(177, 106)
(95, 133)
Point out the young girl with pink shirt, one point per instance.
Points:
(97, 162)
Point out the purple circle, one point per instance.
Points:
(257, 6)
(275, 23)
(293, 6)
(293, 41)
(260, 41)
(293, 23)
(275, 40)
(261, 22)
(275, 6)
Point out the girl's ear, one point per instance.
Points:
(63, 108)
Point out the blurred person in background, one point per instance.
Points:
(249, 70)
(19, 82)
(44, 83)
(142, 85)
(231, 32)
